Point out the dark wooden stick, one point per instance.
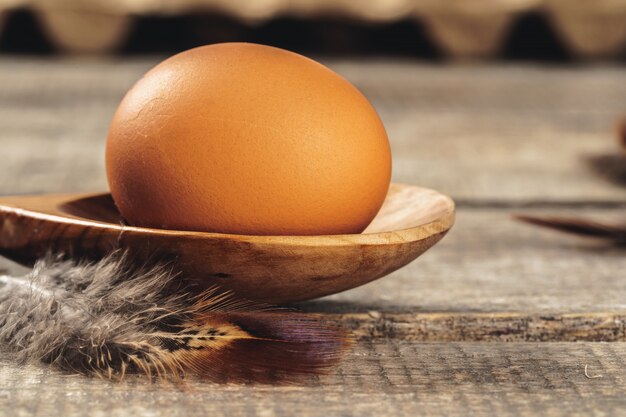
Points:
(579, 226)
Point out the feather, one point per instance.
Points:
(108, 319)
(621, 134)
(579, 226)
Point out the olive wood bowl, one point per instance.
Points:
(275, 269)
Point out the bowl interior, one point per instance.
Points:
(408, 206)
(100, 208)
(405, 207)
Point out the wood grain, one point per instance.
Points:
(381, 377)
(274, 269)
(489, 327)
(481, 134)
(491, 279)
(482, 324)
(489, 263)
(492, 263)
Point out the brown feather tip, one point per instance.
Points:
(108, 319)
(578, 226)
(621, 134)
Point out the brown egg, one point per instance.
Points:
(247, 139)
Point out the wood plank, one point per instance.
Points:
(479, 133)
(486, 327)
(490, 263)
(388, 377)
(499, 139)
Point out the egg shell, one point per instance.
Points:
(247, 139)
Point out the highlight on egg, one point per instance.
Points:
(247, 139)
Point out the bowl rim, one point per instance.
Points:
(391, 237)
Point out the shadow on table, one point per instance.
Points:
(611, 167)
(346, 307)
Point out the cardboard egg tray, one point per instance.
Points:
(461, 28)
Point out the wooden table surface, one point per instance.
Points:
(500, 318)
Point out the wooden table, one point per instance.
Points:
(500, 318)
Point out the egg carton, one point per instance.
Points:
(461, 28)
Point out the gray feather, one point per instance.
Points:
(63, 309)
(107, 318)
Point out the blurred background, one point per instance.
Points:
(551, 30)
(516, 96)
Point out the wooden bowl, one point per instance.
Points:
(275, 269)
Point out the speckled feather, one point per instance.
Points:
(108, 319)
